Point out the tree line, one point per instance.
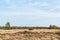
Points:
(8, 26)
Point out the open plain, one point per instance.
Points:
(25, 34)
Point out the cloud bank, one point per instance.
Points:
(30, 10)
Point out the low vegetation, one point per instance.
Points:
(27, 33)
(7, 26)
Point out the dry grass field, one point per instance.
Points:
(25, 34)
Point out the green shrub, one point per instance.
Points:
(52, 27)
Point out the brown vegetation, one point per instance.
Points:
(25, 34)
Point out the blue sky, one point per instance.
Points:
(30, 12)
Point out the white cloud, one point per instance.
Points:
(52, 15)
(36, 13)
(7, 1)
(38, 4)
(44, 4)
(57, 6)
(12, 7)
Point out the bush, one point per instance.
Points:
(30, 28)
(52, 27)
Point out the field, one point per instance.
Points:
(25, 34)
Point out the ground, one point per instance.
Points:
(25, 34)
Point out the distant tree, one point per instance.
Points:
(52, 26)
(7, 25)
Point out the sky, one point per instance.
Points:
(30, 12)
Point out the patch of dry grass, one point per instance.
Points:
(25, 34)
